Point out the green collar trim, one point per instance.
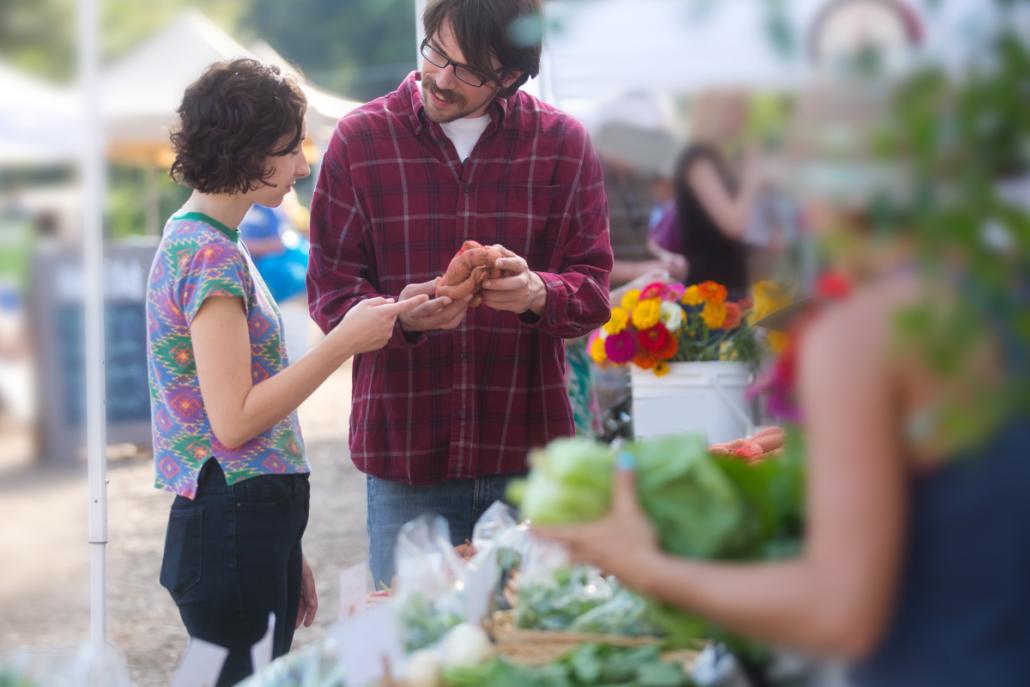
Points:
(233, 234)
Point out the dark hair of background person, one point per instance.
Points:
(232, 119)
(711, 254)
(498, 28)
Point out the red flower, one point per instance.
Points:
(655, 289)
(620, 348)
(833, 285)
(654, 338)
(669, 350)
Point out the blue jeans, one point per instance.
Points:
(391, 504)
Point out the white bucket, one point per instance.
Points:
(706, 397)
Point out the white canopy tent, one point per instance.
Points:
(142, 92)
(602, 48)
(597, 50)
(40, 123)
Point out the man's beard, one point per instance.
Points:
(429, 88)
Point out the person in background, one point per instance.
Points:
(636, 154)
(712, 209)
(637, 163)
(225, 434)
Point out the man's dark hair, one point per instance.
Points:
(232, 119)
(506, 29)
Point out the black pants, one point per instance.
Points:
(232, 556)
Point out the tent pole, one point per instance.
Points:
(92, 171)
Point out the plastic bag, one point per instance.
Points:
(429, 582)
(624, 614)
(496, 522)
(555, 602)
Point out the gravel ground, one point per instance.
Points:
(44, 576)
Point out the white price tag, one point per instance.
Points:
(354, 589)
(369, 642)
(201, 665)
(261, 653)
(479, 587)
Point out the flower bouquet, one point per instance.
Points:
(665, 323)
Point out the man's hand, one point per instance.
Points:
(308, 605)
(519, 290)
(437, 313)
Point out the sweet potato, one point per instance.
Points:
(467, 271)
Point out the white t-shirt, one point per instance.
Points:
(465, 132)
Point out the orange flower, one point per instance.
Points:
(661, 368)
(733, 316)
(711, 292)
(644, 360)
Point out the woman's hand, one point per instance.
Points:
(368, 326)
(621, 543)
(308, 605)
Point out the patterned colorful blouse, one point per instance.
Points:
(200, 257)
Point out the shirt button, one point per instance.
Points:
(463, 357)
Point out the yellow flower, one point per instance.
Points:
(597, 353)
(661, 368)
(768, 298)
(727, 351)
(714, 314)
(777, 341)
(691, 296)
(617, 322)
(629, 301)
(647, 312)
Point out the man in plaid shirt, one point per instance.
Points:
(444, 415)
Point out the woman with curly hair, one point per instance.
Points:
(223, 394)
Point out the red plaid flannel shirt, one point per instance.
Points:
(392, 205)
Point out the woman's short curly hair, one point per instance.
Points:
(232, 119)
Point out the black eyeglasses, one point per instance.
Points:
(465, 73)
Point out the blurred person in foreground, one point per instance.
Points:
(913, 405)
(444, 416)
(224, 396)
